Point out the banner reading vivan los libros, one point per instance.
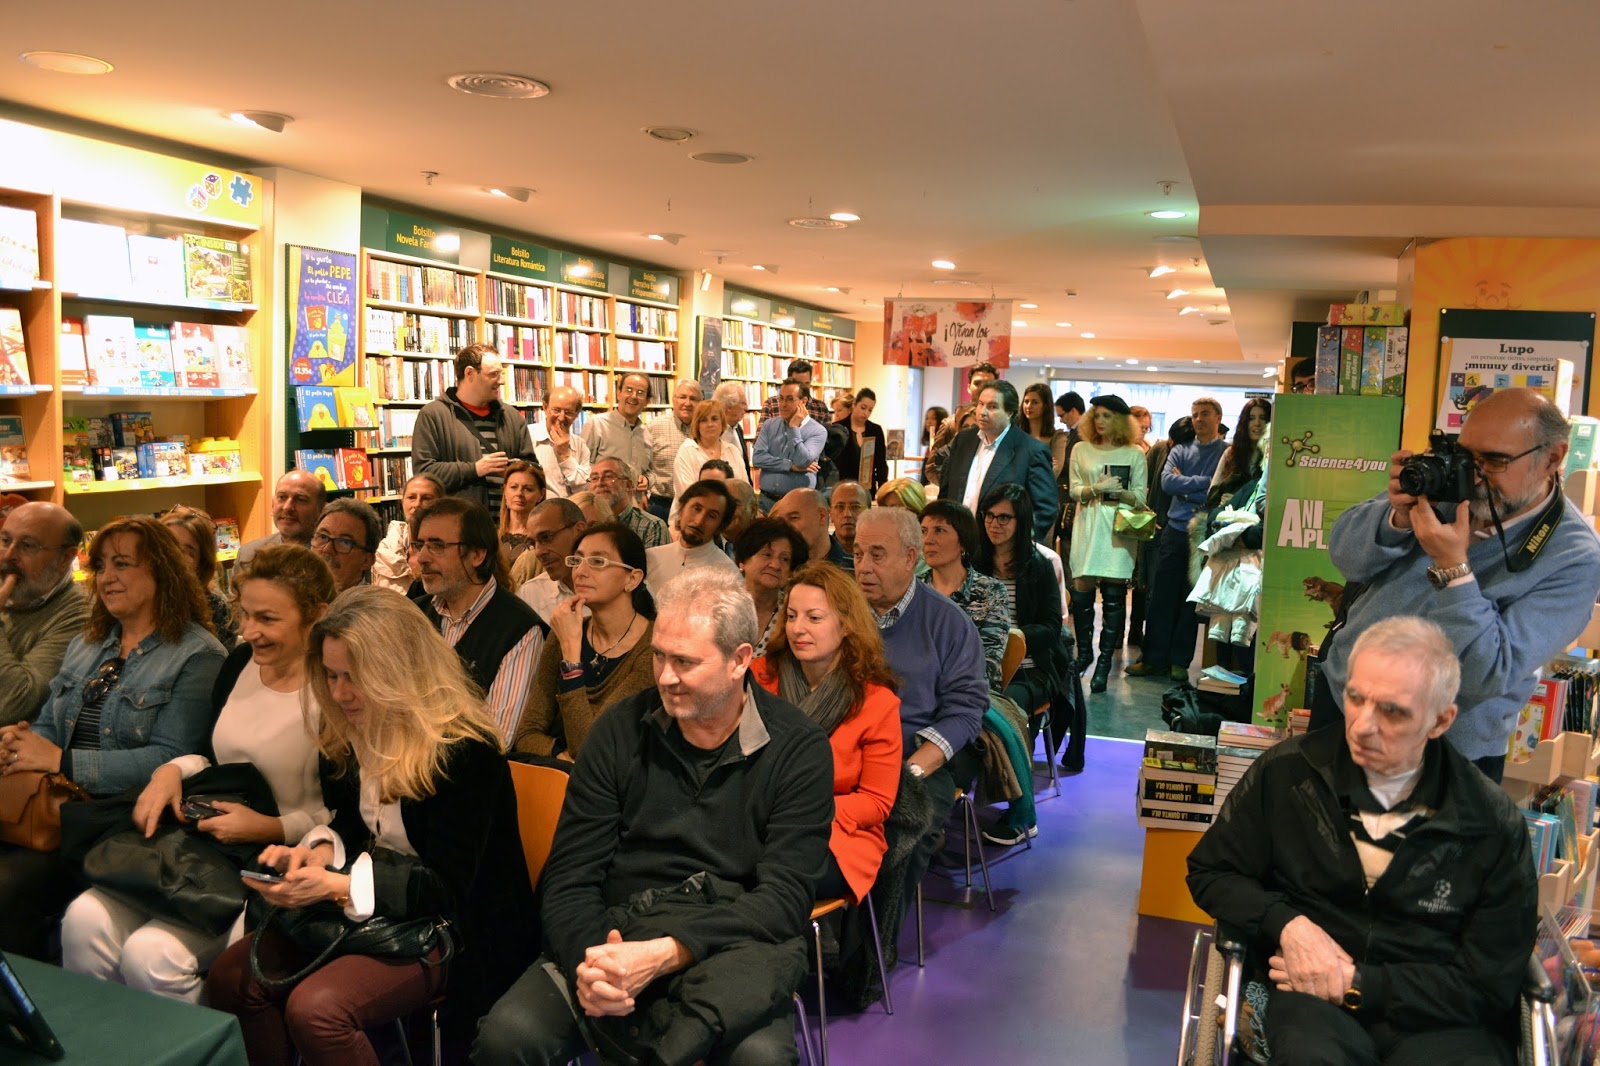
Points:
(946, 332)
(1328, 453)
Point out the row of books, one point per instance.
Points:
(388, 473)
(406, 331)
(655, 321)
(1362, 360)
(1238, 745)
(1177, 780)
(96, 259)
(751, 365)
(114, 351)
(19, 247)
(659, 356)
(526, 344)
(14, 464)
(448, 290)
(1556, 817)
(13, 349)
(814, 347)
(338, 468)
(393, 377)
(512, 300)
(1220, 680)
(581, 349)
(125, 446)
(395, 426)
(334, 407)
(575, 309)
(754, 336)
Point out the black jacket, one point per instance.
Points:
(1039, 617)
(1441, 940)
(1020, 460)
(444, 444)
(848, 457)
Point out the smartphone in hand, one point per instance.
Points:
(270, 877)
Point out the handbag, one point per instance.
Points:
(178, 874)
(30, 808)
(1134, 523)
(325, 931)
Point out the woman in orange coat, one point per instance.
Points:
(828, 660)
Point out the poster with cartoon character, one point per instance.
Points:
(322, 300)
(1327, 454)
(1483, 351)
(946, 332)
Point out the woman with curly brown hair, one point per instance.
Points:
(828, 660)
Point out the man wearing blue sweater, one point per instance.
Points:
(934, 649)
(788, 447)
(1171, 625)
(1509, 600)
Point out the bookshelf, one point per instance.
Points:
(174, 250)
(761, 336)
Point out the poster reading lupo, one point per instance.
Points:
(322, 293)
(946, 332)
(1327, 454)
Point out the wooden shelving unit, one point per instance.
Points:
(761, 336)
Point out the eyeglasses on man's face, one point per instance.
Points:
(27, 545)
(1494, 463)
(434, 546)
(341, 545)
(596, 562)
(544, 539)
(607, 478)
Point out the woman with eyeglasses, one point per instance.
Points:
(1006, 552)
(424, 827)
(591, 662)
(391, 569)
(766, 553)
(197, 536)
(133, 692)
(951, 547)
(524, 490)
(280, 594)
(1107, 471)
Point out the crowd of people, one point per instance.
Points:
(769, 682)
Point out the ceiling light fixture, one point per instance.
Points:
(1152, 369)
(764, 267)
(1087, 336)
(670, 238)
(670, 134)
(943, 264)
(1162, 271)
(845, 216)
(1175, 293)
(267, 120)
(1029, 306)
(66, 62)
(1063, 325)
(818, 223)
(705, 281)
(727, 159)
(512, 192)
(1189, 311)
(1166, 214)
(1100, 358)
(1132, 362)
(498, 86)
(1017, 323)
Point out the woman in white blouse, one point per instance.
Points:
(280, 593)
(391, 568)
(704, 444)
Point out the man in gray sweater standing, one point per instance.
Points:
(1511, 580)
(467, 436)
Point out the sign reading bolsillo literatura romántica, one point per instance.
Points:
(1327, 453)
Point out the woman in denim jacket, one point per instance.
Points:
(133, 691)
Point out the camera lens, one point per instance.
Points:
(1420, 476)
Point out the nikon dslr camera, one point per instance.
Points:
(1446, 474)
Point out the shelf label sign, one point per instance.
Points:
(743, 305)
(832, 325)
(422, 238)
(322, 301)
(946, 332)
(583, 271)
(522, 258)
(657, 285)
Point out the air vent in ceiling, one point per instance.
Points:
(499, 86)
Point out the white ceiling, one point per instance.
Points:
(1022, 139)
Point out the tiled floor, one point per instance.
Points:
(1065, 972)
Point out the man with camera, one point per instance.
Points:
(1510, 572)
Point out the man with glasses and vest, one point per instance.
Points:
(1511, 577)
(496, 635)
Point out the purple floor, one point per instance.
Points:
(1065, 972)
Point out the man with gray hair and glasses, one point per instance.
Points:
(1510, 573)
(617, 482)
(1384, 884)
(41, 607)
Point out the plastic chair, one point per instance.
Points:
(540, 793)
(1016, 651)
(823, 908)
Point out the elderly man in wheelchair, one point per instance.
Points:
(1384, 882)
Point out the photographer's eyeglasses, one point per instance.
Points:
(595, 562)
(341, 545)
(1498, 464)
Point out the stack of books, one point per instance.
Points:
(1216, 679)
(1178, 781)
(1299, 721)
(1238, 745)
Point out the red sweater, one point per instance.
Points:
(866, 778)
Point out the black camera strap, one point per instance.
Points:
(1538, 532)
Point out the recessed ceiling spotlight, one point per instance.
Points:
(1100, 358)
(1063, 325)
(512, 192)
(1133, 362)
(670, 134)
(766, 267)
(267, 120)
(943, 264)
(1189, 311)
(1029, 306)
(66, 62)
(1175, 293)
(670, 238)
(1166, 214)
(1162, 271)
(1152, 369)
(1087, 336)
(818, 223)
(497, 85)
(1197, 362)
(1017, 323)
(845, 216)
(727, 159)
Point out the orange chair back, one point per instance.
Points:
(540, 793)
(1016, 648)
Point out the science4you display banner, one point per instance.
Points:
(946, 332)
(1327, 453)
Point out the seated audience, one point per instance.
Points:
(807, 512)
(297, 501)
(950, 546)
(280, 593)
(935, 651)
(134, 690)
(715, 470)
(555, 528)
(41, 608)
(903, 492)
(497, 636)
(599, 646)
(703, 515)
(196, 534)
(392, 565)
(845, 505)
(617, 483)
(828, 661)
(1007, 552)
(705, 803)
(1384, 880)
(524, 490)
(347, 537)
(703, 445)
(424, 826)
(766, 554)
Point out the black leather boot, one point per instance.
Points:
(1113, 615)
(1082, 628)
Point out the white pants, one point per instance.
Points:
(107, 938)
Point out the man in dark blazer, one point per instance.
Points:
(1000, 453)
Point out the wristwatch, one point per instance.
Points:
(915, 770)
(1439, 577)
(1352, 995)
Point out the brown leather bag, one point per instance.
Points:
(30, 808)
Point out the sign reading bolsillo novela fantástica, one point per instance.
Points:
(1327, 454)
